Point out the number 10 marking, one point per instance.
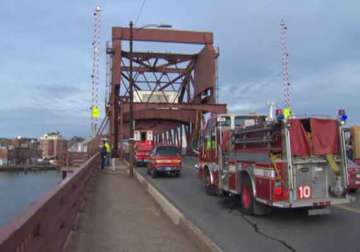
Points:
(304, 192)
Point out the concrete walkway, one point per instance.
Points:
(121, 216)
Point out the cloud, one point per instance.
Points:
(50, 43)
(321, 93)
(59, 91)
(34, 122)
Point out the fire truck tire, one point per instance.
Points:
(247, 196)
(209, 188)
(249, 204)
(353, 190)
(224, 193)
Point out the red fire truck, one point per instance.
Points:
(284, 163)
(143, 146)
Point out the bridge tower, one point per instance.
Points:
(172, 91)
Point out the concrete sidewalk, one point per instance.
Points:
(121, 216)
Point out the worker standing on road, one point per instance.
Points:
(108, 152)
(113, 158)
(103, 154)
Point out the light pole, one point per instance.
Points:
(131, 109)
(131, 90)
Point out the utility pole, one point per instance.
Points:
(131, 109)
(131, 91)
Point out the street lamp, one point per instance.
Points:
(131, 88)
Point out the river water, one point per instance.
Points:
(18, 190)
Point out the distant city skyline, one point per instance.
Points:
(45, 62)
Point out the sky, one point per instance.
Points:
(45, 56)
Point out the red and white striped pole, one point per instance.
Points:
(285, 63)
(95, 75)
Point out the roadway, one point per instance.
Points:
(283, 230)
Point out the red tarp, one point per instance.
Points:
(325, 136)
(299, 143)
(323, 139)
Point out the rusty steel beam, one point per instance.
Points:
(158, 128)
(166, 56)
(161, 35)
(180, 116)
(114, 95)
(214, 108)
(172, 81)
(144, 69)
(181, 136)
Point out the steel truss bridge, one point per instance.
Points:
(172, 91)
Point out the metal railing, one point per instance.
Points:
(45, 224)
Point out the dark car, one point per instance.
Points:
(164, 159)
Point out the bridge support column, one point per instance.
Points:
(188, 133)
(181, 137)
(115, 87)
(176, 137)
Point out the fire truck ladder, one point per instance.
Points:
(242, 137)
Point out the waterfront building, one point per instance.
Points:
(53, 147)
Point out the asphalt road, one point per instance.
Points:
(283, 230)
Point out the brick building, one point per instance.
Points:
(20, 151)
(4, 153)
(53, 147)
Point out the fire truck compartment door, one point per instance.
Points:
(311, 181)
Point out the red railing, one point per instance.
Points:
(75, 159)
(45, 225)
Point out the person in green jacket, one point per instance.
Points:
(108, 152)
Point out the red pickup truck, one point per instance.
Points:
(164, 159)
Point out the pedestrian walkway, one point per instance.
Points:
(121, 216)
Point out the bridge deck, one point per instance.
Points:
(283, 230)
(120, 216)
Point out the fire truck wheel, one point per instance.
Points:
(209, 188)
(224, 193)
(247, 196)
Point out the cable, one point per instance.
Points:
(140, 11)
